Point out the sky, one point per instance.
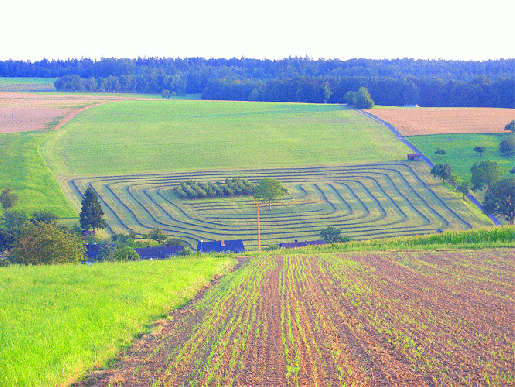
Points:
(272, 29)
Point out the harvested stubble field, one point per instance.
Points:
(426, 318)
(422, 121)
(22, 112)
(365, 201)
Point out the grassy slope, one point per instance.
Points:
(22, 168)
(88, 312)
(142, 136)
(460, 150)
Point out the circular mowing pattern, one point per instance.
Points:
(365, 201)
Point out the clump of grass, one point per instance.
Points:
(56, 322)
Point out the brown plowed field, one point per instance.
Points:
(425, 318)
(23, 112)
(420, 121)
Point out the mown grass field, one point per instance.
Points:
(56, 322)
(426, 318)
(460, 153)
(365, 201)
(176, 135)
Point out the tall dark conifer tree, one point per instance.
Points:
(91, 212)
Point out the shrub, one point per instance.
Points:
(333, 235)
(158, 235)
(126, 253)
(507, 146)
(185, 252)
(46, 243)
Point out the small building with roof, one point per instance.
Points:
(414, 156)
(221, 246)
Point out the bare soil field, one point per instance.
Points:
(421, 121)
(398, 318)
(22, 112)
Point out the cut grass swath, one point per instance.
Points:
(365, 201)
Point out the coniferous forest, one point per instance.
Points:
(390, 82)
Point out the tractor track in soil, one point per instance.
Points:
(427, 318)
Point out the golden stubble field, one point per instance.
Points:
(422, 121)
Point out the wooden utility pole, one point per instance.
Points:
(258, 205)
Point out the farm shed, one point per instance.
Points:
(301, 244)
(221, 246)
(158, 252)
(414, 156)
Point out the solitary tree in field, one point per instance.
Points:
(500, 199)
(332, 234)
(363, 99)
(91, 213)
(484, 173)
(507, 146)
(440, 151)
(360, 99)
(8, 198)
(269, 190)
(464, 187)
(480, 150)
(158, 235)
(442, 171)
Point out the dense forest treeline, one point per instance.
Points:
(390, 82)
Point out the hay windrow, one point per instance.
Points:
(365, 201)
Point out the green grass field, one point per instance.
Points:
(177, 135)
(56, 322)
(460, 151)
(23, 169)
(27, 84)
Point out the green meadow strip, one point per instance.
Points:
(57, 322)
(480, 238)
(23, 169)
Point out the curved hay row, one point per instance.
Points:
(365, 201)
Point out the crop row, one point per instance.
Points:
(396, 318)
(365, 201)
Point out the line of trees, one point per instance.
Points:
(389, 82)
(208, 189)
(480, 92)
(199, 70)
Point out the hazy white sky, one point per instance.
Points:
(274, 29)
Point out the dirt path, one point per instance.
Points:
(364, 319)
(68, 117)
